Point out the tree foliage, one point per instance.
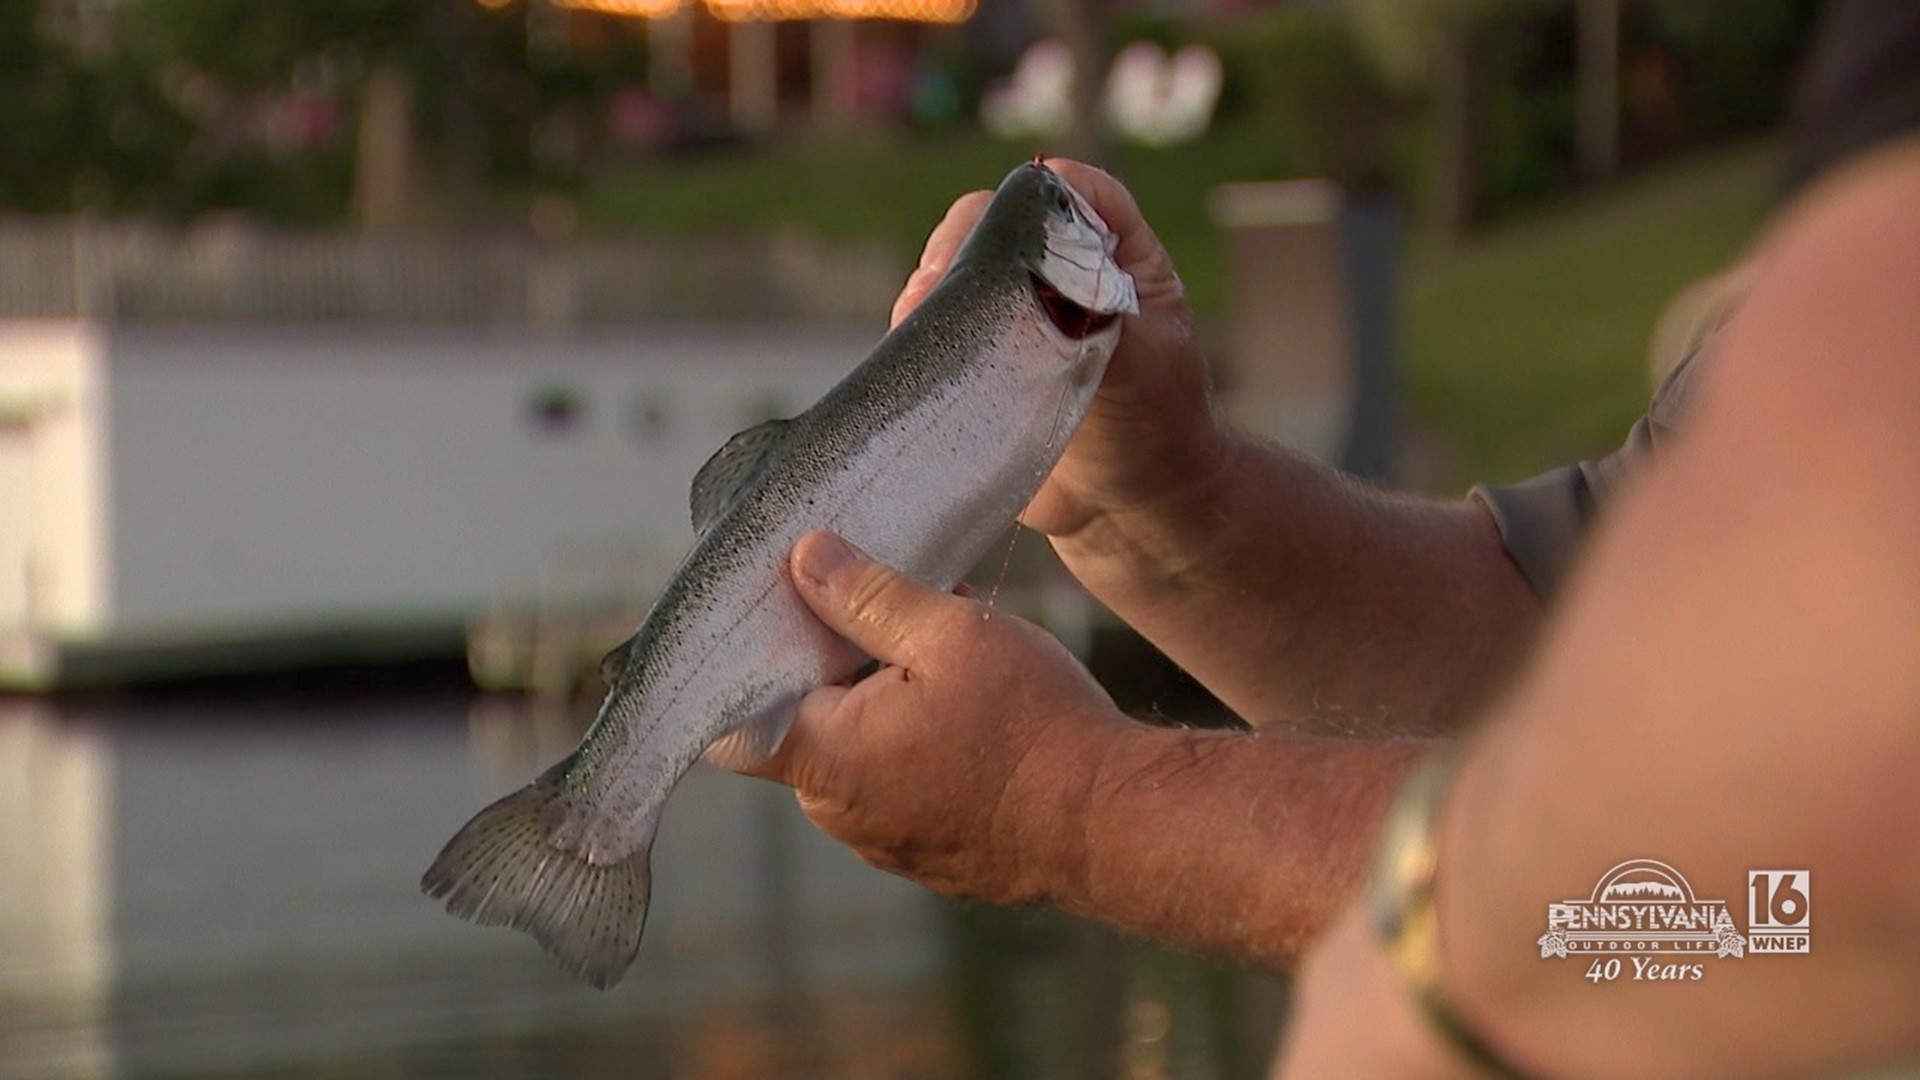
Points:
(251, 44)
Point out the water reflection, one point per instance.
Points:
(55, 886)
(200, 884)
(221, 883)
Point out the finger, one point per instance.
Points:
(1139, 248)
(884, 612)
(946, 237)
(942, 244)
(794, 761)
(919, 284)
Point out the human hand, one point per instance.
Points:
(1151, 432)
(965, 763)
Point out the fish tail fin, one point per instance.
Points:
(503, 868)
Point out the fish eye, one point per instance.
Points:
(1060, 200)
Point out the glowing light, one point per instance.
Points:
(632, 9)
(929, 11)
(932, 11)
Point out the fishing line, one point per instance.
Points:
(1086, 351)
(1053, 437)
(1006, 562)
(1013, 537)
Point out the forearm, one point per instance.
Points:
(1303, 599)
(1729, 768)
(1235, 843)
(1730, 687)
(1736, 757)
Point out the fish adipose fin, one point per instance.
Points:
(503, 869)
(730, 470)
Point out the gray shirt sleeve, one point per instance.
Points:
(1543, 520)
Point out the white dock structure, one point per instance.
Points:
(203, 498)
(225, 449)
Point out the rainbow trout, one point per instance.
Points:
(922, 456)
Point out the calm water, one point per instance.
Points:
(223, 883)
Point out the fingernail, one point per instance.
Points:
(824, 557)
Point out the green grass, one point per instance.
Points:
(1525, 348)
(1529, 347)
(885, 190)
(892, 191)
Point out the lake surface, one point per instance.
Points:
(223, 882)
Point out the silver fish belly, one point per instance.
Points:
(921, 456)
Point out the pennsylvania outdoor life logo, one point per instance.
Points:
(1645, 912)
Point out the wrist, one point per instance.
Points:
(1136, 822)
(1405, 920)
(1165, 537)
(1050, 804)
(1078, 820)
(1354, 1017)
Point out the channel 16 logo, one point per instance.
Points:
(1779, 911)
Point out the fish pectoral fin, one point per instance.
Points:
(752, 743)
(503, 869)
(731, 469)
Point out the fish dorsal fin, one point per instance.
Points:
(728, 472)
(615, 662)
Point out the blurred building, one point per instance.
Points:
(237, 449)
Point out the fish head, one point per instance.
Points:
(1064, 248)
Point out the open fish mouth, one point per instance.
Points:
(1074, 321)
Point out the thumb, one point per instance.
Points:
(879, 609)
